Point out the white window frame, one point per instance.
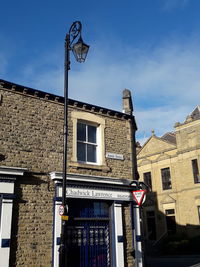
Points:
(89, 143)
(94, 120)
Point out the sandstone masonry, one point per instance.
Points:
(172, 162)
(31, 137)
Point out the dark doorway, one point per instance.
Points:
(151, 225)
(170, 221)
(88, 235)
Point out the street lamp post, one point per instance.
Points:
(80, 50)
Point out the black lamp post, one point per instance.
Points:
(80, 50)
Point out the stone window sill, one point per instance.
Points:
(78, 165)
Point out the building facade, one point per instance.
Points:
(170, 166)
(101, 166)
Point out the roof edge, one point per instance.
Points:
(60, 99)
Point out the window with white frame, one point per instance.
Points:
(86, 142)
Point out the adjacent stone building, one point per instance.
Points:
(101, 167)
(170, 166)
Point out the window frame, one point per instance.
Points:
(94, 120)
(170, 216)
(151, 230)
(195, 172)
(149, 178)
(166, 179)
(198, 210)
(86, 142)
(8, 176)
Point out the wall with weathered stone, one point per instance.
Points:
(183, 197)
(31, 136)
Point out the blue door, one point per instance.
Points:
(88, 242)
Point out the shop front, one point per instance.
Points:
(95, 233)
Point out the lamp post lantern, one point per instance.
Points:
(80, 50)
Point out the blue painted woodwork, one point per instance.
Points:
(87, 235)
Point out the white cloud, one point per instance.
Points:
(164, 80)
(169, 84)
(172, 4)
(165, 84)
(161, 120)
(44, 73)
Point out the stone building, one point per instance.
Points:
(101, 166)
(170, 166)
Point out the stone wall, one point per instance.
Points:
(31, 242)
(32, 137)
(183, 197)
(128, 236)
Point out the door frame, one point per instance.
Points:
(101, 188)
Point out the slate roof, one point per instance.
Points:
(195, 113)
(169, 137)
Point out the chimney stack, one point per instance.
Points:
(127, 102)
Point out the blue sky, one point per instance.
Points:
(151, 47)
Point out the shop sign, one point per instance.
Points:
(74, 192)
